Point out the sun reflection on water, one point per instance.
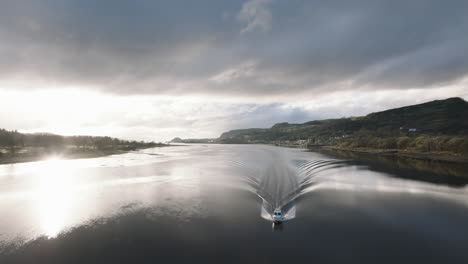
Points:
(54, 199)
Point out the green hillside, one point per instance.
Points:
(440, 125)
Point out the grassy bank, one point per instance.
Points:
(429, 156)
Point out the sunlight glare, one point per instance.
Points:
(54, 200)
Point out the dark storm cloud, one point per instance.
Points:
(255, 47)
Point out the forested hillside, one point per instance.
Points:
(440, 125)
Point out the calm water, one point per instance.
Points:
(211, 203)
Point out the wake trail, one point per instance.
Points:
(279, 178)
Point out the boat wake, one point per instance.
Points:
(280, 178)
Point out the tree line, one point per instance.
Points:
(420, 143)
(12, 140)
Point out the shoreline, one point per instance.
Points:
(428, 156)
(82, 154)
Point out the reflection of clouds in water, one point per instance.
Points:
(359, 179)
(57, 195)
(135, 158)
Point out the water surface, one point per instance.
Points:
(212, 202)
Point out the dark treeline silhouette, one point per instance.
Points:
(13, 140)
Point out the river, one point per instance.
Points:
(203, 203)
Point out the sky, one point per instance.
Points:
(158, 69)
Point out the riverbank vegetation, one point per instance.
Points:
(19, 147)
(420, 143)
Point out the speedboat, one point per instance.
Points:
(278, 217)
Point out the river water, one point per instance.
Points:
(213, 203)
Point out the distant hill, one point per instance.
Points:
(447, 117)
(440, 125)
(436, 126)
(241, 132)
(440, 117)
(177, 140)
(194, 140)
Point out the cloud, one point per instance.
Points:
(161, 118)
(194, 48)
(241, 71)
(255, 15)
(153, 70)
